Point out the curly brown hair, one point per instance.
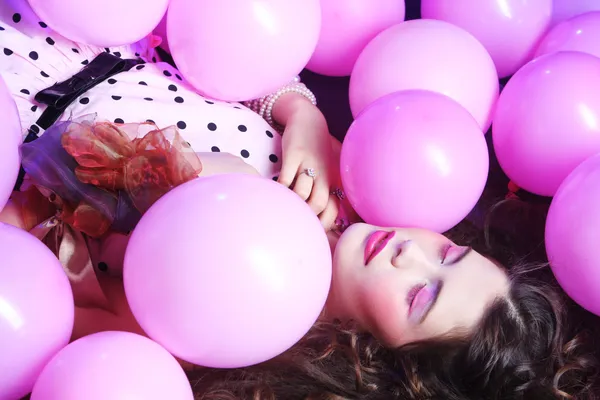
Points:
(532, 344)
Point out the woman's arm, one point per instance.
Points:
(224, 163)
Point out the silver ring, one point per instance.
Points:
(311, 172)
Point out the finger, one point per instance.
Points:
(303, 185)
(329, 215)
(289, 170)
(319, 196)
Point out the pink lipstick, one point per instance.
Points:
(376, 243)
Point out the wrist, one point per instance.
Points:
(290, 104)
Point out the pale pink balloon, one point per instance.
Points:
(566, 9)
(103, 23)
(36, 310)
(430, 55)
(573, 234)
(228, 271)
(10, 160)
(113, 365)
(580, 33)
(347, 27)
(414, 159)
(547, 120)
(509, 29)
(242, 49)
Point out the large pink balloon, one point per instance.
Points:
(573, 234)
(579, 33)
(414, 159)
(242, 49)
(430, 55)
(566, 9)
(228, 271)
(10, 160)
(546, 122)
(113, 365)
(36, 310)
(103, 23)
(509, 29)
(347, 27)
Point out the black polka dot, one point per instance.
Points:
(142, 83)
(25, 91)
(84, 100)
(116, 53)
(209, 102)
(85, 62)
(153, 59)
(148, 98)
(106, 49)
(111, 81)
(151, 121)
(215, 149)
(167, 73)
(102, 266)
(7, 52)
(137, 54)
(16, 18)
(275, 178)
(269, 134)
(181, 125)
(116, 97)
(273, 158)
(34, 108)
(34, 55)
(50, 41)
(245, 153)
(119, 121)
(237, 107)
(242, 128)
(212, 126)
(172, 88)
(139, 67)
(178, 77)
(35, 129)
(43, 24)
(178, 99)
(45, 75)
(75, 50)
(1, 29)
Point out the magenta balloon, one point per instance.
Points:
(414, 159)
(430, 55)
(36, 310)
(509, 29)
(546, 122)
(10, 160)
(347, 27)
(579, 33)
(573, 234)
(104, 23)
(567, 9)
(228, 271)
(113, 365)
(242, 49)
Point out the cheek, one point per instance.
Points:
(384, 310)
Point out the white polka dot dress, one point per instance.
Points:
(33, 58)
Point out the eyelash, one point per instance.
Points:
(444, 253)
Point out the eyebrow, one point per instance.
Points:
(468, 251)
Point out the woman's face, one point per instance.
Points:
(407, 285)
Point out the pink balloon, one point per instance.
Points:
(414, 159)
(347, 27)
(103, 23)
(113, 365)
(239, 50)
(509, 29)
(228, 271)
(546, 122)
(573, 234)
(580, 33)
(10, 160)
(566, 9)
(36, 310)
(430, 55)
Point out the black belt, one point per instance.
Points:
(61, 95)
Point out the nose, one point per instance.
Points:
(408, 254)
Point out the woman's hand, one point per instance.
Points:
(309, 164)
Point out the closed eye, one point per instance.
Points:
(452, 254)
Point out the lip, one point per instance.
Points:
(376, 243)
